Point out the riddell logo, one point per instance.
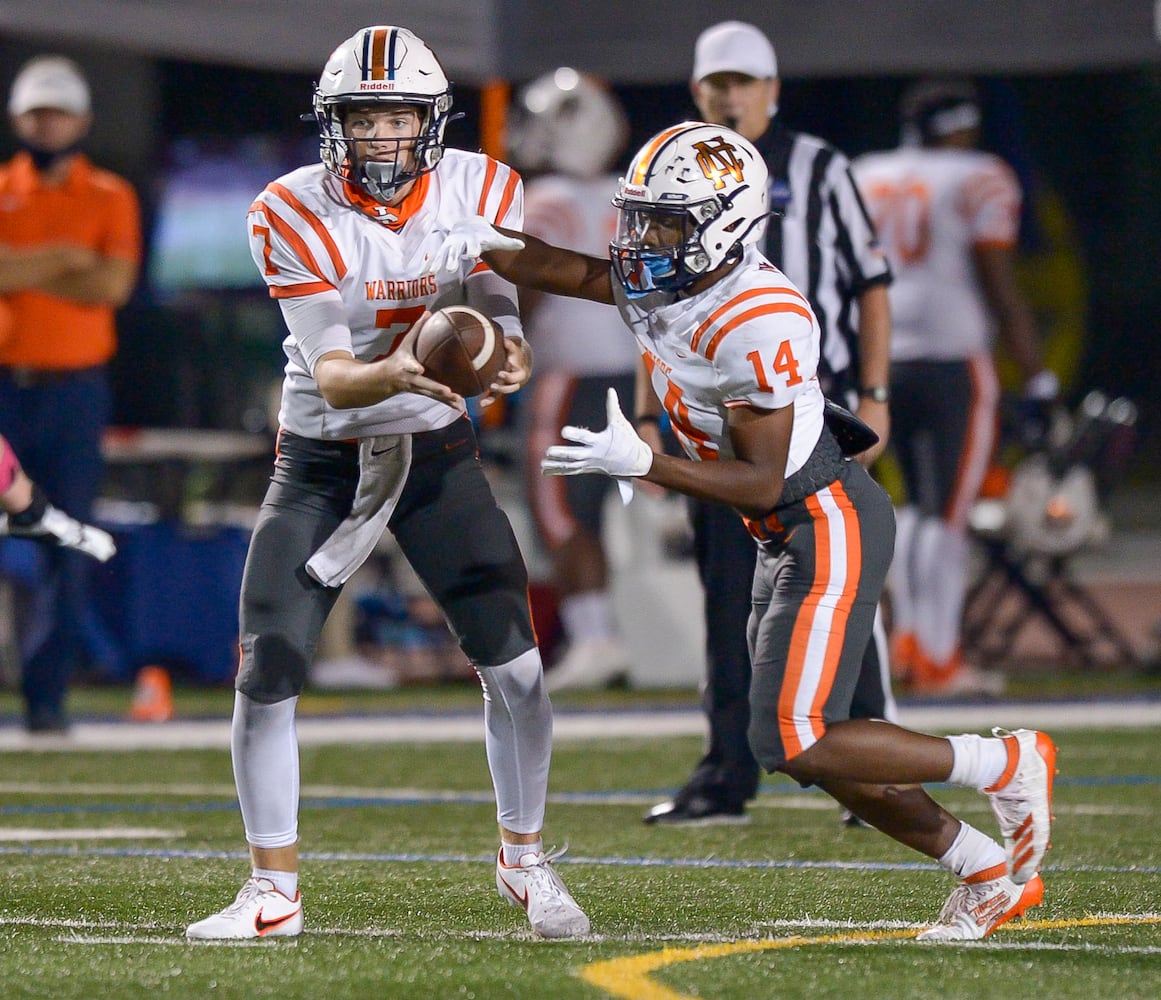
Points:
(377, 85)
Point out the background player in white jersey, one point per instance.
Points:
(948, 216)
(567, 129)
(732, 349)
(367, 442)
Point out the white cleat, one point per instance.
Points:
(978, 905)
(1022, 800)
(259, 910)
(534, 885)
(589, 665)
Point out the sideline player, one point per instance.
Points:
(731, 347)
(949, 217)
(368, 442)
(26, 513)
(566, 130)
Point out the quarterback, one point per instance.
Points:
(366, 443)
(731, 348)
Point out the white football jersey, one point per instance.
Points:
(751, 338)
(313, 235)
(567, 334)
(932, 208)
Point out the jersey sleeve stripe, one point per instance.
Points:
(508, 196)
(737, 300)
(291, 235)
(744, 317)
(315, 223)
(300, 290)
(489, 180)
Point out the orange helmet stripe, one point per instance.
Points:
(376, 68)
(645, 160)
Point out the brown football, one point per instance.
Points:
(461, 348)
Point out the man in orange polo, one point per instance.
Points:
(70, 251)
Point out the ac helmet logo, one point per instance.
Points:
(718, 160)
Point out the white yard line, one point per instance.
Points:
(27, 834)
(613, 724)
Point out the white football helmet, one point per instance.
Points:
(694, 197)
(382, 65)
(566, 122)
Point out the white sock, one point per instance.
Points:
(587, 616)
(514, 852)
(285, 882)
(977, 761)
(972, 852)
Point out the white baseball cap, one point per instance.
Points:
(734, 47)
(49, 82)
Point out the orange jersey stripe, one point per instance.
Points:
(320, 230)
(300, 290)
(508, 196)
(736, 301)
(489, 179)
(766, 310)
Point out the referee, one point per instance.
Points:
(823, 239)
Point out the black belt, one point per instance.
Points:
(36, 378)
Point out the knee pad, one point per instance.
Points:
(272, 668)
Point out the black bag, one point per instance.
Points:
(852, 434)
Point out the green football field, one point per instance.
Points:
(108, 854)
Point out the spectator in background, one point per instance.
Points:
(948, 215)
(70, 251)
(566, 132)
(821, 238)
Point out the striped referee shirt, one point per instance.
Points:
(821, 236)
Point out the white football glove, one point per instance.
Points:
(468, 239)
(616, 451)
(55, 527)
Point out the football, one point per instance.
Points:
(461, 348)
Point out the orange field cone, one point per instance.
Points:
(152, 696)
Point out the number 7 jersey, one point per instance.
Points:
(313, 235)
(750, 339)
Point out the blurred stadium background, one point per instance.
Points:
(198, 104)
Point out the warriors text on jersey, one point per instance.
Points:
(311, 234)
(932, 208)
(749, 339)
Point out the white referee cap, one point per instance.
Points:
(734, 47)
(49, 82)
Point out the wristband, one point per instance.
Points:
(876, 393)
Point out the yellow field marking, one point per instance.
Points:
(628, 977)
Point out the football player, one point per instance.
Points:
(731, 348)
(948, 215)
(566, 129)
(367, 442)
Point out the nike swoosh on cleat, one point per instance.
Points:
(265, 926)
(521, 899)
